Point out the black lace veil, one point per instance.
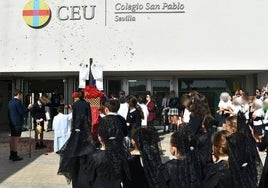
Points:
(245, 162)
(76, 146)
(147, 141)
(112, 136)
(187, 149)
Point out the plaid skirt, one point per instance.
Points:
(164, 112)
(173, 112)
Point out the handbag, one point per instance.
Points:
(38, 128)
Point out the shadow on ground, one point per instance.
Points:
(26, 150)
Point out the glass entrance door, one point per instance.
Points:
(114, 87)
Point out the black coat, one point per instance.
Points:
(179, 174)
(16, 112)
(218, 176)
(81, 108)
(38, 112)
(134, 118)
(97, 172)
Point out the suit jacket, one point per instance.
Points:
(16, 112)
(38, 112)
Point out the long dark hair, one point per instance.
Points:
(182, 141)
(220, 146)
(112, 136)
(81, 94)
(199, 106)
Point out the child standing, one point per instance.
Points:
(184, 170)
(62, 128)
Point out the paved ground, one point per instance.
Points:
(41, 169)
(38, 171)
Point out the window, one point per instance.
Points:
(137, 87)
(114, 87)
(202, 84)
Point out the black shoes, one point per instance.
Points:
(14, 156)
(40, 146)
(37, 145)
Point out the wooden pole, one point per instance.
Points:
(30, 128)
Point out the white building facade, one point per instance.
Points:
(157, 45)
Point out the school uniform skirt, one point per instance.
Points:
(258, 127)
(173, 112)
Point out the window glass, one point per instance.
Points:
(114, 86)
(137, 87)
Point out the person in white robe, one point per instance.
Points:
(62, 128)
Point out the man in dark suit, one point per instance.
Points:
(16, 113)
(39, 117)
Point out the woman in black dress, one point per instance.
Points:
(184, 171)
(78, 146)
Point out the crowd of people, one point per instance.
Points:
(129, 152)
(253, 107)
(126, 150)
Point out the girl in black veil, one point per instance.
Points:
(203, 139)
(184, 171)
(107, 166)
(78, 146)
(146, 140)
(245, 162)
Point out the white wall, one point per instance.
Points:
(210, 35)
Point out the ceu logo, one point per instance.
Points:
(36, 13)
